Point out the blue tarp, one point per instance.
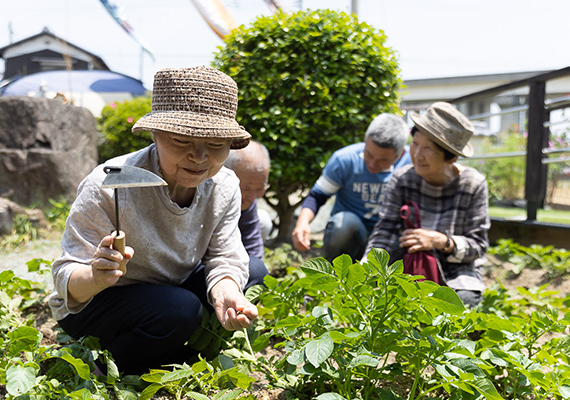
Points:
(75, 81)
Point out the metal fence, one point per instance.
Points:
(538, 152)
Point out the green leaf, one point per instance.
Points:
(253, 293)
(317, 266)
(175, 375)
(564, 391)
(338, 336)
(197, 396)
(365, 360)
(155, 376)
(486, 388)
(261, 342)
(381, 257)
(82, 369)
(228, 395)
(20, 379)
(410, 289)
(324, 314)
(240, 379)
(356, 275)
(25, 338)
(469, 345)
(225, 362)
(330, 396)
(341, 266)
(388, 395)
(82, 394)
(292, 321)
(443, 371)
(112, 371)
(318, 350)
(34, 265)
(444, 299)
(468, 366)
(150, 391)
(125, 394)
(297, 357)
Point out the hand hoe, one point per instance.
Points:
(126, 177)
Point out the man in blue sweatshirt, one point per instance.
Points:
(356, 175)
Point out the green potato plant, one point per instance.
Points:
(346, 330)
(353, 330)
(555, 262)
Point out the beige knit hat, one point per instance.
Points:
(446, 126)
(197, 101)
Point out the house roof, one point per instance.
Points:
(419, 93)
(46, 32)
(453, 80)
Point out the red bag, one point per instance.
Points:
(422, 262)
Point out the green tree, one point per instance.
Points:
(115, 125)
(309, 83)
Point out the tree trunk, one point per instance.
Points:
(286, 213)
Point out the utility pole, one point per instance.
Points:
(354, 6)
(10, 32)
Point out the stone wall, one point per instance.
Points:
(46, 149)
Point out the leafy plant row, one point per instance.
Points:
(30, 369)
(554, 262)
(365, 327)
(342, 331)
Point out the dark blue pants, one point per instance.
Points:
(145, 326)
(345, 233)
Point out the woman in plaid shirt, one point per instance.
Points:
(452, 199)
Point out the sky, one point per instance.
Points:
(432, 38)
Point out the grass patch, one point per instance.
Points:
(551, 216)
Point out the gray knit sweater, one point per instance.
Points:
(169, 241)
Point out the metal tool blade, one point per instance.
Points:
(126, 176)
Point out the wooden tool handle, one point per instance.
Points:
(119, 243)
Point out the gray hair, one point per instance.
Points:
(388, 131)
(255, 154)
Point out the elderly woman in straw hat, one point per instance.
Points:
(185, 252)
(452, 200)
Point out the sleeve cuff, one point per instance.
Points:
(458, 250)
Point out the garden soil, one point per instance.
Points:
(49, 248)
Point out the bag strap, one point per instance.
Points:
(405, 215)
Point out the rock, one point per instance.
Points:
(9, 209)
(46, 149)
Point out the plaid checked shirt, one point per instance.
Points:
(459, 209)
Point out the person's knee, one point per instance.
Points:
(471, 298)
(344, 221)
(345, 233)
(179, 311)
(257, 272)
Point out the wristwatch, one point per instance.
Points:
(447, 244)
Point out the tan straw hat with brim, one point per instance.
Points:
(446, 126)
(197, 101)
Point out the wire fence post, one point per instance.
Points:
(536, 171)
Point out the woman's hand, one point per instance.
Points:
(422, 239)
(232, 308)
(106, 261)
(88, 280)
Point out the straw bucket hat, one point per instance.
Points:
(447, 127)
(197, 101)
